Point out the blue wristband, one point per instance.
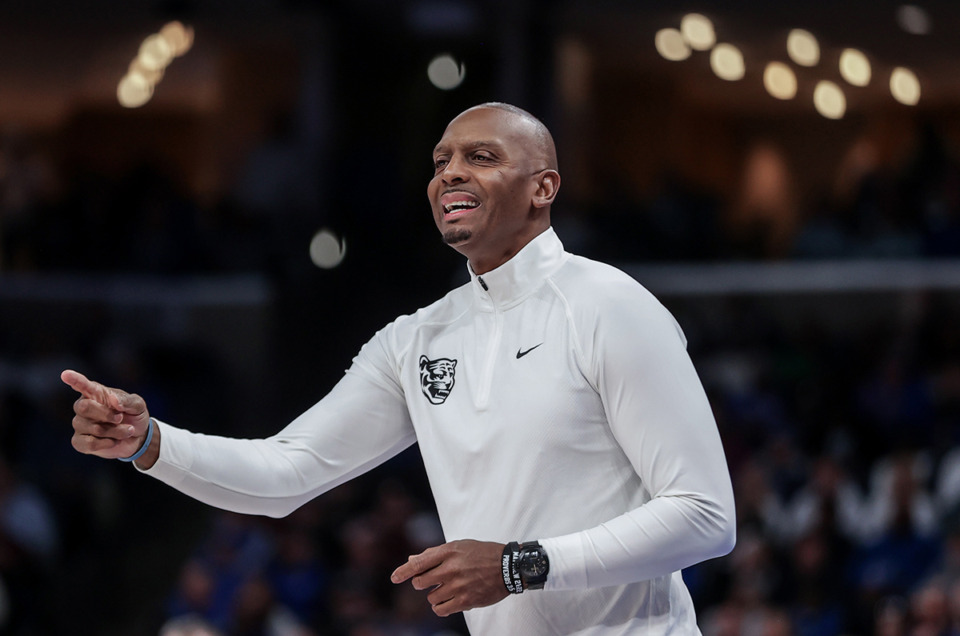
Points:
(143, 448)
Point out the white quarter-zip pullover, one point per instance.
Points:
(552, 399)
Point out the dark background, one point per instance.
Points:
(813, 264)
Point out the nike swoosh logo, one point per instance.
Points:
(520, 353)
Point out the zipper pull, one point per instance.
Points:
(483, 284)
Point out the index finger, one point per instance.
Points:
(417, 564)
(90, 389)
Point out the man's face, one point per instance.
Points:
(485, 179)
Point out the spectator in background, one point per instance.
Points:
(890, 617)
(930, 611)
(829, 504)
(898, 496)
(815, 587)
(777, 622)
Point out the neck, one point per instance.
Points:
(485, 263)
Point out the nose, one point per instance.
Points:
(455, 171)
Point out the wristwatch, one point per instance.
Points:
(533, 564)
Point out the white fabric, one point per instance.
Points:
(598, 441)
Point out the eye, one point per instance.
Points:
(481, 158)
(440, 162)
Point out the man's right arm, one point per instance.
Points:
(356, 427)
(361, 423)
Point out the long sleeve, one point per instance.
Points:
(659, 414)
(361, 423)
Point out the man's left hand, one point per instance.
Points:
(460, 575)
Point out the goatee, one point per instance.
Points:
(456, 235)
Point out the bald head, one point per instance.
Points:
(542, 145)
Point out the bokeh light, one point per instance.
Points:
(151, 76)
(134, 91)
(803, 48)
(855, 67)
(829, 100)
(671, 45)
(445, 73)
(178, 37)
(327, 250)
(147, 68)
(780, 80)
(913, 19)
(726, 60)
(904, 86)
(155, 52)
(697, 31)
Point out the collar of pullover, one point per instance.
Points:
(521, 275)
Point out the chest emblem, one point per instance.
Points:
(437, 378)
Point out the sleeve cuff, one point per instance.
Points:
(568, 569)
(176, 455)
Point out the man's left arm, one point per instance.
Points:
(659, 414)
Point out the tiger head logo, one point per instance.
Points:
(436, 378)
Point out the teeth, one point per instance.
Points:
(460, 205)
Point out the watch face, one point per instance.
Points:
(533, 563)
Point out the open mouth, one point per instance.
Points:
(458, 204)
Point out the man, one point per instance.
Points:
(571, 450)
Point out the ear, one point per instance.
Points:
(423, 362)
(548, 184)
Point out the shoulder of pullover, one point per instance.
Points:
(596, 292)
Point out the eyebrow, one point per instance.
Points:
(473, 146)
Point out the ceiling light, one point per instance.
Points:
(913, 19)
(445, 73)
(671, 45)
(134, 91)
(178, 36)
(698, 31)
(780, 80)
(855, 67)
(904, 86)
(326, 250)
(726, 60)
(829, 100)
(152, 76)
(155, 52)
(803, 48)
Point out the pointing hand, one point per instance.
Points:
(108, 422)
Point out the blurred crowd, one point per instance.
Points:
(871, 209)
(843, 442)
(323, 570)
(843, 448)
(57, 219)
